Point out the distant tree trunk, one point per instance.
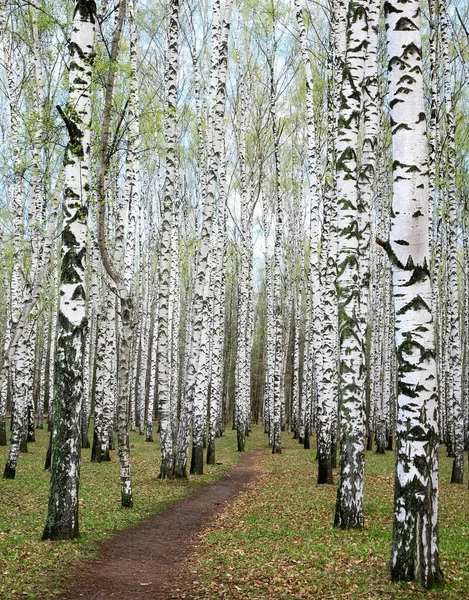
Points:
(90, 353)
(198, 335)
(169, 199)
(120, 272)
(175, 321)
(275, 417)
(218, 329)
(269, 321)
(104, 398)
(242, 389)
(453, 276)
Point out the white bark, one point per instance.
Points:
(350, 498)
(169, 198)
(415, 531)
(62, 518)
(198, 335)
(242, 376)
(455, 364)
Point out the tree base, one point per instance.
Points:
(59, 533)
(399, 574)
(197, 460)
(210, 460)
(9, 472)
(351, 522)
(180, 473)
(167, 473)
(325, 471)
(127, 501)
(3, 435)
(457, 474)
(100, 457)
(241, 441)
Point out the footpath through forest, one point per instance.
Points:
(150, 561)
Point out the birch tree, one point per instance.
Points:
(164, 341)
(415, 529)
(119, 269)
(199, 336)
(62, 516)
(349, 506)
(453, 292)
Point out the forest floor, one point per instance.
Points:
(150, 561)
(30, 568)
(276, 540)
(261, 532)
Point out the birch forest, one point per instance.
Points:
(224, 215)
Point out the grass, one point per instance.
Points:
(277, 541)
(30, 568)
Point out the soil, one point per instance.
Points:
(151, 561)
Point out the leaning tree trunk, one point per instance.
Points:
(415, 530)
(120, 272)
(62, 517)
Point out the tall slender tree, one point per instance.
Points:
(62, 516)
(349, 506)
(415, 530)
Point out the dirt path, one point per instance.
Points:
(149, 561)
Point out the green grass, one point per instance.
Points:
(276, 541)
(30, 568)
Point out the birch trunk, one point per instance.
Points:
(18, 293)
(62, 517)
(204, 248)
(121, 271)
(218, 329)
(415, 530)
(349, 505)
(164, 332)
(104, 397)
(455, 365)
(242, 385)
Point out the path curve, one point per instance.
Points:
(149, 561)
